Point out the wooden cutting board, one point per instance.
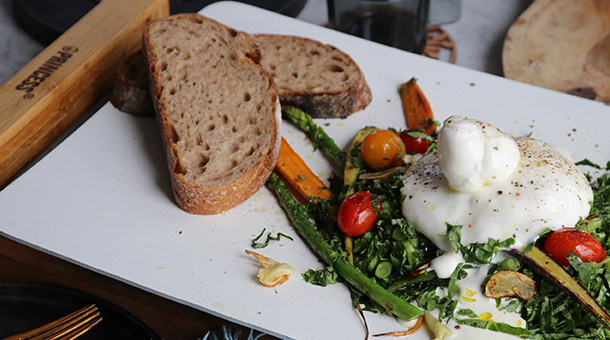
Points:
(562, 45)
(59, 85)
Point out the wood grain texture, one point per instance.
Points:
(563, 45)
(59, 85)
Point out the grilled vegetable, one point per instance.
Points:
(439, 330)
(411, 330)
(352, 165)
(351, 172)
(415, 141)
(544, 265)
(382, 149)
(315, 133)
(292, 167)
(416, 107)
(508, 283)
(273, 273)
(358, 213)
(300, 219)
(564, 241)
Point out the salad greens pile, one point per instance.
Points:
(394, 256)
(551, 314)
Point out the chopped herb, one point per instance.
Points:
(395, 255)
(322, 277)
(454, 235)
(270, 237)
(497, 326)
(587, 162)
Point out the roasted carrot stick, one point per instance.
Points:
(412, 330)
(292, 167)
(416, 107)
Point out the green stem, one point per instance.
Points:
(300, 219)
(315, 133)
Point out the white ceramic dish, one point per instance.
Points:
(102, 198)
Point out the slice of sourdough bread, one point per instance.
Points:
(130, 91)
(320, 79)
(217, 108)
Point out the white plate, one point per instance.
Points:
(102, 198)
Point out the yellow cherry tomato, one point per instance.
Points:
(382, 149)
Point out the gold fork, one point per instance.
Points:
(68, 327)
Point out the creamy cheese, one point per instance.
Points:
(545, 190)
(473, 153)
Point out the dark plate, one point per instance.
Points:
(25, 305)
(46, 20)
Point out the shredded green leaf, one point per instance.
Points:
(454, 235)
(322, 277)
(395, 256)
(495, 326)
(270, 237)
(552, 314)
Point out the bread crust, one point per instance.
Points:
(130, 92)
(331, 104)
(214, 196)
(336, 102)
(348, 92)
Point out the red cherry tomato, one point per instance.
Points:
(414, 144)
(561, 241)
(356, 214)
(382, 149)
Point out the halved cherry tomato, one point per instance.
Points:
(561, 242)
(357, 215)
(414, 144)
(382, 149)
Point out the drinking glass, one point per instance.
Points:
(398, 23)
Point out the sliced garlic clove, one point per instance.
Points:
(273, 273)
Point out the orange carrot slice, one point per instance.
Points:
(292, 167)
(416, 107)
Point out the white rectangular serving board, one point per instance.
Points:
(102, 198)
